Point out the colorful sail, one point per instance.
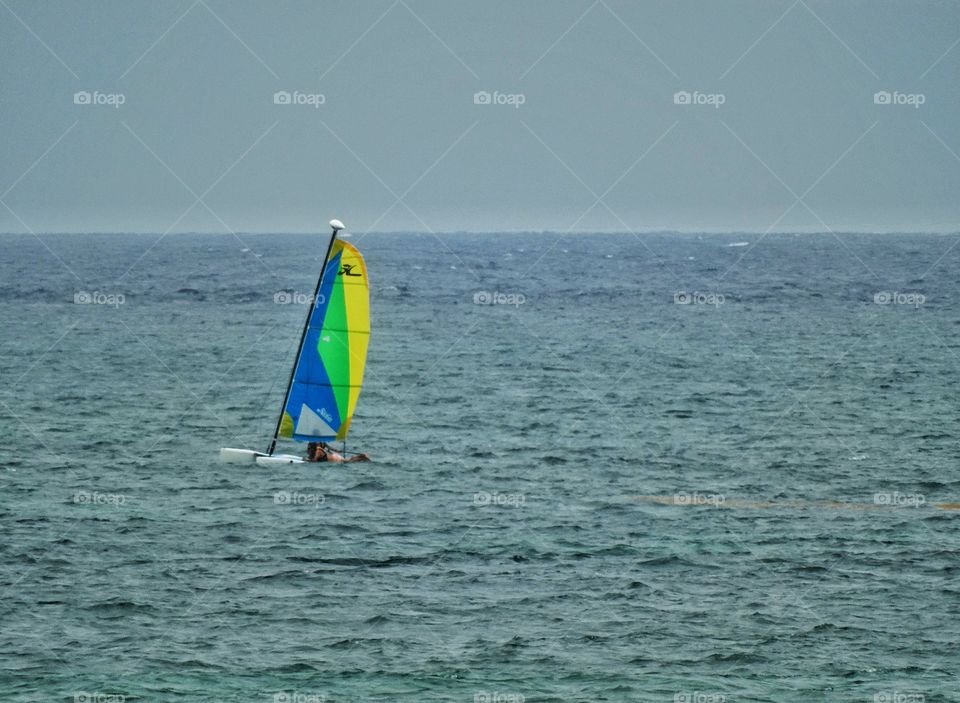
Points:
(329, 373)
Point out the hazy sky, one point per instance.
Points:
(588, 135)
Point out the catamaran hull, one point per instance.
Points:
(239, 456)
(248, 456)
(279, 459)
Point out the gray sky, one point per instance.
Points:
(598, 143)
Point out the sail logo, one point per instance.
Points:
(885, 97)
(85, 97)
(347, 270)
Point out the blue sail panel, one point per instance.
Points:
(311, 413)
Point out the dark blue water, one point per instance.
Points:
(661, 468)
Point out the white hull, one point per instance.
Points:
(279, 459)
(239, 456)
(248, 456)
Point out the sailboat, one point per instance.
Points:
(324, 384)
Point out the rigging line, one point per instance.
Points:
(273, 384)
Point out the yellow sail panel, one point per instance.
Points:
(356, 299)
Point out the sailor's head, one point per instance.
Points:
(311, 447)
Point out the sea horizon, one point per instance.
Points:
(323, 229)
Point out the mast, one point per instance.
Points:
(336, 226)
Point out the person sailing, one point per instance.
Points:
(321, 451)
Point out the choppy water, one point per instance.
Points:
(526, 530)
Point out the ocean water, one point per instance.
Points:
(659, 468)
